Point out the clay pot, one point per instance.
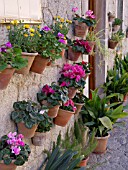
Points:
(5, 77)
(84, 162)
(125, 97)
(81, 29)
(86, 76)
(11, 166)
(71, 92)
(39, 64)
(78, 106)
(72, 55)
(102, 144)
(52, 112)
(39, 138)
(30, 57)
(28, 133)
(63, 51)
(112, 44)
(116, 28)
(63, 117)
(91, 44)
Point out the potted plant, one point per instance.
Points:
(25, 37)
(78, 47)
(65, 113)
(115, 39)
(52, 97)
(27, 116)
(49, 49)
(98, 113)
(13, 151)
(82, 24)
(42, 130)
(72, 77)
(116, 24)
(10, 59)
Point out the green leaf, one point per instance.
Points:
(7, 160)
(14, 115)
(106, 122)
(3, 66)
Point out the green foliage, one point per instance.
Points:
(99, 114)
(27, 112)
(79, 98)
(121, 64)
(117, 21)
(118, 36)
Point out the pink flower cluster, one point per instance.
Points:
(84, 44)
(90, 14)
(7, 45)
(74, 9)
(72, 72)
(15, 141)
(47, 90)
(61, 38)
(70, 103)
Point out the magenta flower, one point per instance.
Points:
(74, 9)
(15, 150)
(89, 14)
(62, 41)
(47, 90)
(70, 103)
(12, 135)
(64, 84)
(3, 50)
(20, 136)
(8, 45)
(60, 35)
(46, 28)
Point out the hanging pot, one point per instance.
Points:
(11, 166)
(52, 112)
(81, 29)
(63, 117)
(112, 44)
(116, 28)
(125, 97)
(28, 133)
(5, 77)
(78, 106)
(102, 144)
(72, 92)
(72, 55)
(39, 138)
(30, 57)
(84, 162)
(86, 75)
(39, 64)
(63, 50)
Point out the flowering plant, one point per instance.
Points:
(80, 46)
(24, 36)
(72, 76)
(12, 148)
(50, 46)
(69, 105)
(85, 65)
(53, 94)
(27, 113)
(61, 25)
(11, 56)
(79, 98)
(89, 20)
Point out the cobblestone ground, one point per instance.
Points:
(116, 157)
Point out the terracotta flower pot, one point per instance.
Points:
(71, 92)
(39, 138)
(28, 133)
(5, 77)
(72, 55)
(11, 166)
(39, 64)
(86, 76)
(125, 97)
(112, 44)
(78, 106)
(52, 112)
(63, 117)
(30, 57)
(102, 144)
(116, 28)
(81, 29)
(63, 51)
(84, 162)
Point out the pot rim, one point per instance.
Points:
(70, 112)
(85, 158)
(79, 103)
(29, 54)
(105, 137)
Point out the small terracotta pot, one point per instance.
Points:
(11, 166)
(71, 92)
(39, 64)
(30, 57)
(63, 51)
(112, 44)
(81, 29)
(72, 55)
(84, 162)
(91, 44)
(39, 138)
(102, 144)
(78, 106)
(116, 28)
(28, 133)
(5, 77)
(52, 112)
(125, 97)
(86, 76)
(63, 117)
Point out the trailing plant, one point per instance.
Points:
(117, 21)
(10, 56)
(28, 113)
(86, 66)
(117, 37)
(12, 148)
(69, 105)
(99, 114)
(53, 94)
